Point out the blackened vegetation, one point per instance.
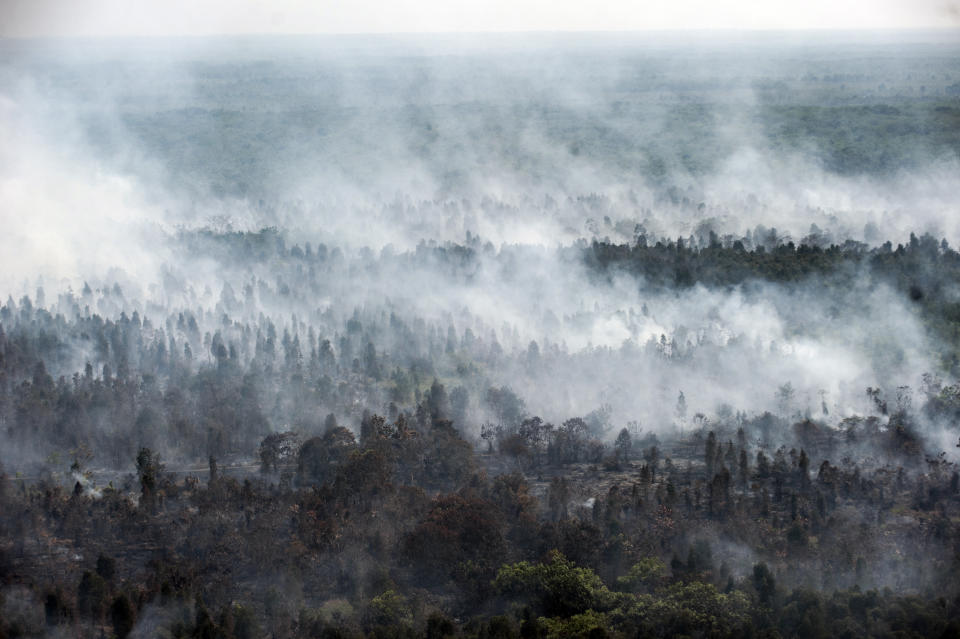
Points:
(250, 482)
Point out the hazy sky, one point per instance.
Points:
(27, 18)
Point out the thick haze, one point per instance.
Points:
(674, 133)
(519, 146)
(479, 318)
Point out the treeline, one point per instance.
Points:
(403, 532)
(84, 375)
(343, 489)
(922, 271)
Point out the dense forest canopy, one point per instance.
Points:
(553, 338)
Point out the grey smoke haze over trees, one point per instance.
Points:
(502, 298)
(374, 146)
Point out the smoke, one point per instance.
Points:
(64, 217)
(386, 151)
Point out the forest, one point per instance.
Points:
(644, 340)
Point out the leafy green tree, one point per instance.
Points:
(557, 588)
(694, 609)
(389, 608)
(644, 576)
(586, 625)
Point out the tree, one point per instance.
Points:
(121, 615)
(557, 588)
(652, 457)
(91, 595)
(744, 468)
(558, 495)
(567, 442)
(319, 457)
(490, 433)
(245, 624)
(148, 469)
(438, 404)
(644, 576)
(457, 529)
(623, 445)
(803, 468)
(363, 475)
(763, 465)
(710, 454)
(681, 410)
(587, 625)
(370, 363)
(764, 583)
(536, 434)
(440, 627)
(459, 404)
(106, 567)
(506, 406)
(692, 609)
(785, 395)
(277, 448)
(389, 608)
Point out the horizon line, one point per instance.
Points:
(938, 29)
